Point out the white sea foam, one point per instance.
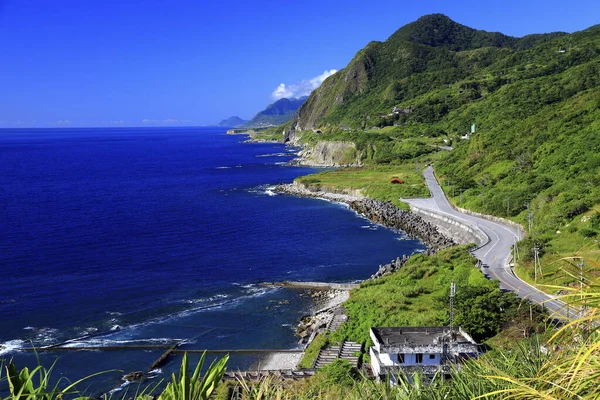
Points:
(264, 190)
(11, 345)
(99, 342)
(114, 313)
(207, 299)
(222, 300)
(89, 331)
(120, 387)
(274, 155)
(154, 373)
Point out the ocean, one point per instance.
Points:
(143, 236)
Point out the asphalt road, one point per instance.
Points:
(496, 254)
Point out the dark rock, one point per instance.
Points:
(385, 213)
(134, 376)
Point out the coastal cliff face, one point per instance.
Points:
(330, 154)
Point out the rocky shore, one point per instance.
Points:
(380, 212)
(385, 213)
(329, 303)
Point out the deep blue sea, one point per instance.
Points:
(148, 235)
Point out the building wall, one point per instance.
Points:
(375, 366)
(411, 359)
(388, 360)
(375, 341)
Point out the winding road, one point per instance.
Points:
(496, 253)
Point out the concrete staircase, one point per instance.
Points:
(326, 356)
(345, 351)
(348, 351)
(336, 321)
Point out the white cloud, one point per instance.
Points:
(303, 88)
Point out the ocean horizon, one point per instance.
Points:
(146, 236)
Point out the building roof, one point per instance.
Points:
(416, 339)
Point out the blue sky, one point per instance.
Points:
(133, 63)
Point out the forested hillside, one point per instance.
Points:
(534, 101)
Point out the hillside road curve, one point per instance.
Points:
(496, 253)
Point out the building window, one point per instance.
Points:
(432, 356)
(400, 358)
(419, 357)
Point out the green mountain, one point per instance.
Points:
(431, 53)
(233, 122)
(535, 103)
(277, 113)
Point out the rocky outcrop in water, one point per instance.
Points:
(385, 213)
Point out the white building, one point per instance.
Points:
(408, 349)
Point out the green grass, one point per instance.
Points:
(373, 181)
(561, 254)
(312, 351)
(417, 295)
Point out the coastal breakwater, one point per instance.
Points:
(380, 212)
(385, 213)
(461, 232)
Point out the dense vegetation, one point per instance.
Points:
(417, 295)
(535, 103)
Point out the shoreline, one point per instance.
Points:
(379, 212)
(327, 301)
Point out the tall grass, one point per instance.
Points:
(37, 384)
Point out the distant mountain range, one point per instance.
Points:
(233, 122)
(275, 114)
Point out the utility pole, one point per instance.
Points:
(452, 294)
(536, 262)
(482, 199)
(581, 264)
(461, 192)
(529, 217)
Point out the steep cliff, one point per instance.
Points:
(330, 154)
